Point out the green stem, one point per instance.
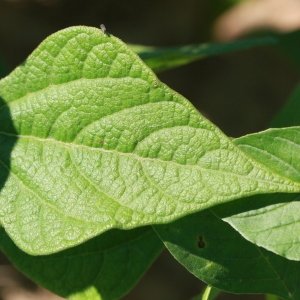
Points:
(210, 293)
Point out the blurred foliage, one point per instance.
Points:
(289, 45)
(162, 59)
(217, 7)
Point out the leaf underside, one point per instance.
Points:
(105, 267)
(91, 140)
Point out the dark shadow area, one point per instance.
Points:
(252, 203)
(87, 265)
(8, 138)
(227, 253)
(7, 142)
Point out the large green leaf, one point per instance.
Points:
(270, 221)
(162, 59)
(91, 140)
(217, 254)
(105, 267)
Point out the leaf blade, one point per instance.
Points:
(102, 144)
(215, 253)
(105, 267)
(275, 216)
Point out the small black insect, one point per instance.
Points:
(103, 28)
(201, 243)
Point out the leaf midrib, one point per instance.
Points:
(139, 158)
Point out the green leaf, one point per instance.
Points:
(217, 254)
(162, 59)
(105, 267)
(276, 217)
(269, 221)
(271, 297)
(90, 140)
(277, 149)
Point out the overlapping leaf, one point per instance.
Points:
(162, 59)
(105, 267)
(276, 217)
(217, 254)
(91, 140)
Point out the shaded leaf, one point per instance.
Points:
(162, 59)
(105, 267)
(217, 254)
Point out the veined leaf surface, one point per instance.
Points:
(91, 140)
(103, 268)
(276, 217)
(217, 254)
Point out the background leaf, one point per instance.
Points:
(277, 149)
(105, 267)
(207, 247)
(162, 59)
(102, 144)
(276, 217)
